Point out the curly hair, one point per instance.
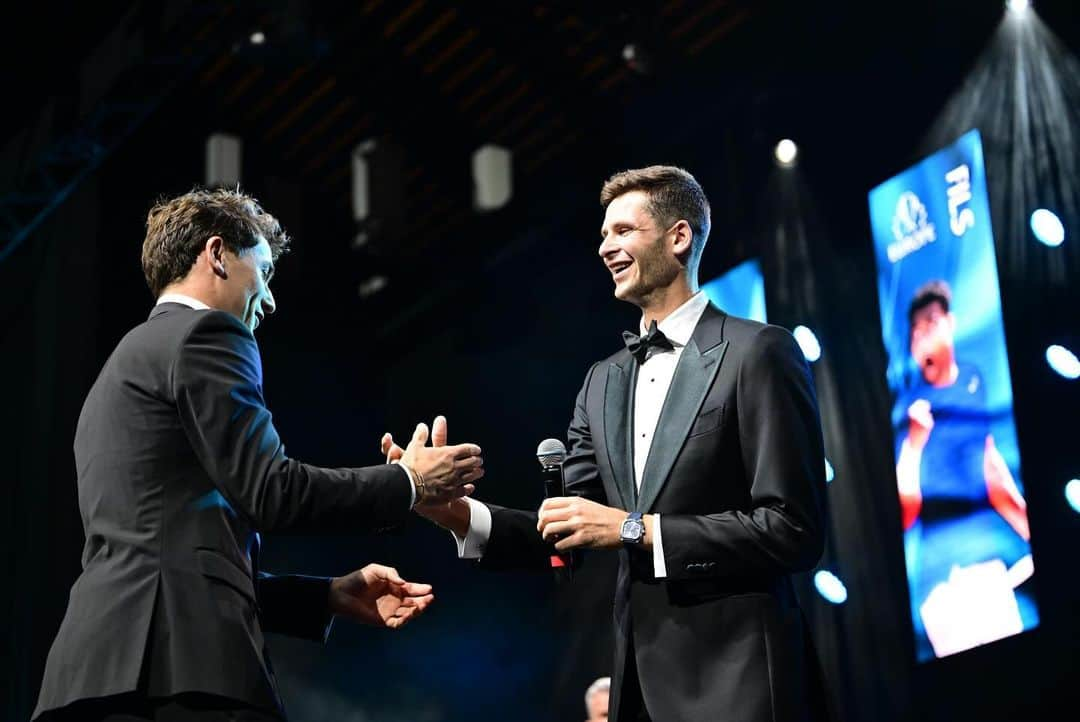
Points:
(177, 230)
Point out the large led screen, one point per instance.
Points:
(958, 473)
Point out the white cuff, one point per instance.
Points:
(475, 541)
(412, 483)
(658, 563)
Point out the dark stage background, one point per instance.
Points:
(493, 319)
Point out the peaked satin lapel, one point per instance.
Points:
(621, 377)
(693, 378)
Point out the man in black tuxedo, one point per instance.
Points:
(179, 467)
(696, 452)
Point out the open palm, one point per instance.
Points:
(378, 596)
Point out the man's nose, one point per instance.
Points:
(607, 247)
(268, 304)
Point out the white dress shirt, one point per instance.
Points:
(653, 381)
(200, 306)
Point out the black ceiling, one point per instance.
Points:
(549, 80)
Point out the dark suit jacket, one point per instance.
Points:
(178, 465)
(736, 472)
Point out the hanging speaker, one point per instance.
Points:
(492, 177)
(223, 160)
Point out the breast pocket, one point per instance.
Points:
(708, 420)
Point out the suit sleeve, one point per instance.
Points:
(217, 386)
(514, 542)
(780, 441)
(294, 605)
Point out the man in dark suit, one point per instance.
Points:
(696, 451)
(179, 467)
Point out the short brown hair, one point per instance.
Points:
(177, 230)
(674, 195)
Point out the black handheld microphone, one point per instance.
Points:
(551, 453)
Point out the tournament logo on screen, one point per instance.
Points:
(966, 537)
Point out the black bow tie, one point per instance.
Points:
(639, 345)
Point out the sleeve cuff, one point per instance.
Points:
(659, 565)
(476, 539)
(412, 483)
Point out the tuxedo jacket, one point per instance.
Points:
(736, 473)
(178, 467)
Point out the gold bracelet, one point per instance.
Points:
(421, 487)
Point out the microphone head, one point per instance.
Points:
(551, 452)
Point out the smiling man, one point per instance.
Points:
(178, 469)
(695, 452)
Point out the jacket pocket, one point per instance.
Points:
(216, 565)
(707, 421)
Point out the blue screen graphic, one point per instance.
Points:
(740, 291)
(966, 536)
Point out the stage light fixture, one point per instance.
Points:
(1063, 361)
(808, 342)
(830, 587)
(1047, 227)
(370, 286)
(786, 151)
(258, 37)
(1018, 7)
(1072, 494)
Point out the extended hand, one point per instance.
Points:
(454, 514)
(577, 522)
(447, 471)
(378, 596)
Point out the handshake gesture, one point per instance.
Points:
(441, 473)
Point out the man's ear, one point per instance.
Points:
(215, 255)
(683, 239)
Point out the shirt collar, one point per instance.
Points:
(182, 299)
(679, 324)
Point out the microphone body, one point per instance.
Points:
(551, 454)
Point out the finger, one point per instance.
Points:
(438, 431)
(415, 589)
(470, 476)
(571, 542)
(551, 516)
(468, 463)
(559, 529)
(420, 435)
(459, 491)
(556, 503)
(462, 451)
(385, 573)
(385, 444)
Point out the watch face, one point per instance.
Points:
(631, 530)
